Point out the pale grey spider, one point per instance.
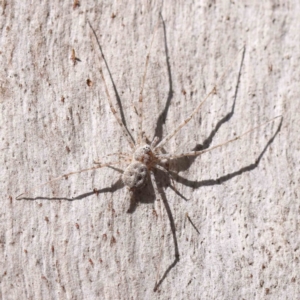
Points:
(146, 157)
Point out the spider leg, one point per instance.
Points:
(154, 142)
(120, 154)
(140, 103)
(122, 126)
(197, 153)
(67, 175)
(213, 91)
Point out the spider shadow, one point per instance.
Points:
(159, 174)
(185, 163)
(114, 187)
(161, 184)
(163, 115)
(224, 178)
(198, 184)
(145, 195)
(119, 102)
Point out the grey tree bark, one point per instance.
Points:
(233, 216)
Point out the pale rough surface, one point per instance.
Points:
(52, 122)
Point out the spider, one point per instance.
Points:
(144, 158)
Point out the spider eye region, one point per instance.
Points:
(135, 175)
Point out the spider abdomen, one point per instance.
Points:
(135, 175)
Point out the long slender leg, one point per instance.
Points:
(140, 103)
(122, 126)
(129, 140)
(196, 153)
(119, 154)
(213, 91)
(154, 142)
(67, 175)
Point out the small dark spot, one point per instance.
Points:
(89, 82)
(112, 240)
(113, 15)
(68, 149)
(74, 59)
(261, 283)
(76, 4)
(270, 67)
(46, 219)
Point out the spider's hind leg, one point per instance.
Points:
(197, 153)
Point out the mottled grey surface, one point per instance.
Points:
(65, 241)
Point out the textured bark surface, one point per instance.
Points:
(236, 210)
